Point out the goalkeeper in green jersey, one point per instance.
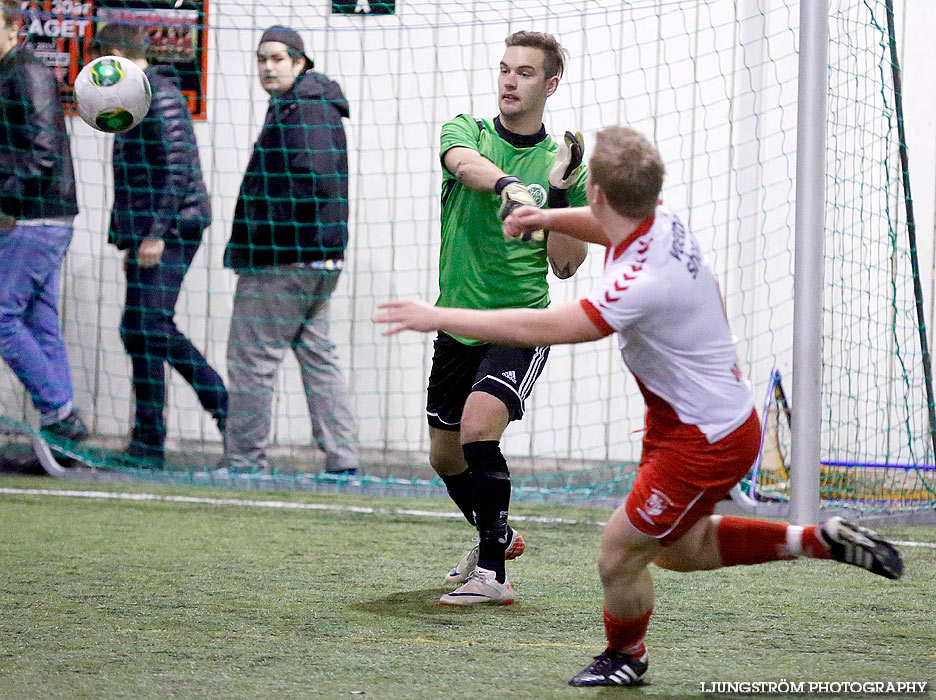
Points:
(476, 389)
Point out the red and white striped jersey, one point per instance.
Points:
(659, 295)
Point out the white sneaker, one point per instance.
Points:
(463, 568)
(481, 587)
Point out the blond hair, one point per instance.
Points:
(629, 170)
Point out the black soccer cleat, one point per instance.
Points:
(71, 427)
(612, 668)
(859, 546)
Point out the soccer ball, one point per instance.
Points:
(112, 94)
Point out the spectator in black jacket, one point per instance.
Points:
(161, 209)
(37, 211)
(287, 246)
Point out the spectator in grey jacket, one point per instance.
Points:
(37, 210)
(160, 210)
(287, 246)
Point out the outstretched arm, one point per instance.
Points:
(476, 172)
(576, 222)
(472, 169)
(558, 325)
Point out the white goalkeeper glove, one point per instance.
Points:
(515, 194)
(565, 169)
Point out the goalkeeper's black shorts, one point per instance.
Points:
(459, 369)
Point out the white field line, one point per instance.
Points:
(285, 505)
(902, 543)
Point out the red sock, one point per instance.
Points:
(749, 541)
(627, 636)
(812, 545)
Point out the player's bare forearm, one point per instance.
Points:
(576, 222)
(565, 254)
(472, 169)
(517, 327)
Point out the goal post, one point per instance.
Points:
(808, 240)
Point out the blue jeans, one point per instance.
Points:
(31, 342)
(151, 338)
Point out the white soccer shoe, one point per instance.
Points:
(480, 588)
(469, 562)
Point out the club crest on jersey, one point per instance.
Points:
(656, 503)
(538, 194)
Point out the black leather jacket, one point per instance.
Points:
(159, 191)
(293, 202)
(37, 180)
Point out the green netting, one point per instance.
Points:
(715, 84)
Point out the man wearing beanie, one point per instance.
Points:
(287, 245)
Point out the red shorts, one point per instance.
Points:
(682, 476)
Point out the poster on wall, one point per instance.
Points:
(61, 31)
(58, 30)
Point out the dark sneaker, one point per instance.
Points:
(612, 668)
(859, 546)
(71, 427)
(146, 456)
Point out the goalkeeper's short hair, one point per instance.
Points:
(629, 170)
(554, 56)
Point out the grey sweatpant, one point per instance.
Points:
(274, 311)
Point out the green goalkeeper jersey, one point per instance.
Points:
(478, 267)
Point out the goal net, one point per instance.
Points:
(712, 82)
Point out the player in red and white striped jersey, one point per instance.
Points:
(702, 433)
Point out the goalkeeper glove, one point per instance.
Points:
(565, 169)
(515, 194)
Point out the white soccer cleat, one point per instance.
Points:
(468, 563)
(480, 588)
(463, 569)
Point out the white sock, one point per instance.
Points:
(794, 540)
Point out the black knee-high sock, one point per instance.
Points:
(490, 492)
(459, 488)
